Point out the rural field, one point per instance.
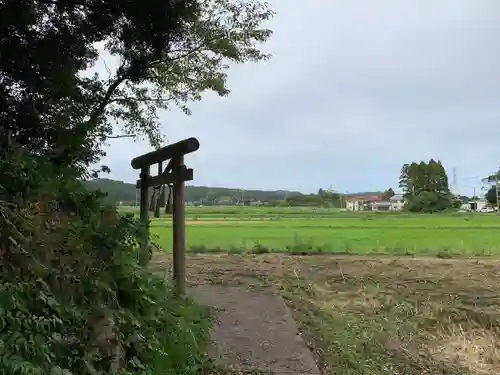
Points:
(309, 230)
(366, 315)
(360, 313)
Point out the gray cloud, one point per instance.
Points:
(354, 90)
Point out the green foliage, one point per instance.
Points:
(425, 186)
(323, 198)
(73, 298)
(121, 191)
(170, 52)
(386, 195)
(491, 195)
(49, 106)
(429, 202)
(457, 202)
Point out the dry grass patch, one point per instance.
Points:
(476, 349)
(399, 316)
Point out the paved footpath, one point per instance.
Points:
(254, 331)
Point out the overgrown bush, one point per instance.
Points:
(73, 298)
(429, 202)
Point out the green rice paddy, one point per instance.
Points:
(308, 230)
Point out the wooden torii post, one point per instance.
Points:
(175, 173)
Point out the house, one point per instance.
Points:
(397, 202)
(362, 203)
(374, 203)
(353, 204)
(474, 205)
(381, 205)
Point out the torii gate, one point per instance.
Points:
(175, 173)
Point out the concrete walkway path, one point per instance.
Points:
(254, 331)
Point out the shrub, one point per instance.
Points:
(429, 202)
(73, 297)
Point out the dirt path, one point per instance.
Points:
(254, 331)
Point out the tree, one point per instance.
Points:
(404, 180)
(409, 179)
(170, 52)
(46, 105)
(465, 199)
(429, 202)
(419, 179)
(438, 179)
(386, 195)
(491, 196)
(433, 175)
(66, 259)
(121, 191)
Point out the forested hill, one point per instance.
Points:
(126, 192)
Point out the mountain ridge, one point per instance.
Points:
(120, 191)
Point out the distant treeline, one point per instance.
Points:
(119, 191)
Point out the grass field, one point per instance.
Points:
(308, 230)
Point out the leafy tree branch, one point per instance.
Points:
(170, 53)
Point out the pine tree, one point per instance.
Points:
(413, 179)
(403, 179)
(421, 179)
(426, 186)
(443, 186)
(433, 175)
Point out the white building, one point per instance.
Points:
(361, 202)
(397, 202)
(475, 205)
(374, 203)
(381, 206)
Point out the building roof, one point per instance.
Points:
(480, 200)
(366, 198)
(396, 197)
(382, 203)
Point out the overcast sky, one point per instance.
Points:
(354, 90)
